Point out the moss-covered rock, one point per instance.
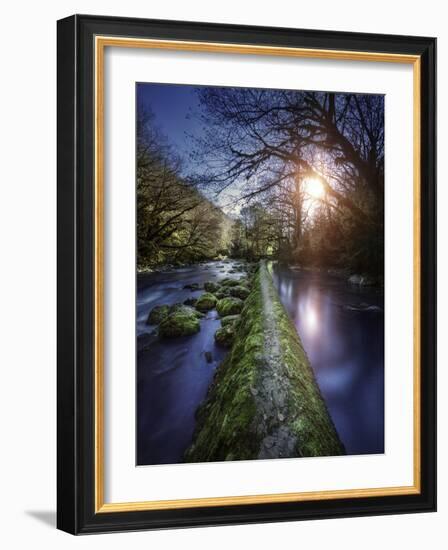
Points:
(225, 335)
(229, 306)
(239, 292)
(185, 310)
(157, 314)
(229, 282)
(223, 292)
(264, 401)
(206, 302)
(181, 322)
(229, 320)
(212, 287)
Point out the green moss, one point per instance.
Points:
(230, 282)
(179, 323)
(183, 309)
(212, 287)
(229, 306)
(157, 315)
(206, 301)
(223, 292)
(229, 320)
(239, 420)
(225, 335)
(239, 292)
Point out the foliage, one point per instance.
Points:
(175, 223)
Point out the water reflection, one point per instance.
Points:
(344, 341)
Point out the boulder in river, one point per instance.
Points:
(206, 301)
(223, 292)
(239, 291)
(190, 302)
(224, 336)
(157, 314)
(185, 310)
(229, 306)
(212, 287)
(230, 282)
(182, 322)
(229, 320)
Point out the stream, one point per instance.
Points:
(173, 376)
(342, 330)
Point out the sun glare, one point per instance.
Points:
(314, 188)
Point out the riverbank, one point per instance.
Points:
(264, 401)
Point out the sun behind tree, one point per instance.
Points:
(314, 188)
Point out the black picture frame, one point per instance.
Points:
(76, 264)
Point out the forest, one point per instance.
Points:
(296, 176)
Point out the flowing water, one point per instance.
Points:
(173, 375)
(342, 330)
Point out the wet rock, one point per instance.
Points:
(190, 302)
(230, 282)
(206, 301)
(224, 336)
(223, 292)
(185, 310)
(193, 286)
(229, 306)
(183, 321)
(212, 287)
(239, 292)
(157, 314)
(208, 356)
(229, 320)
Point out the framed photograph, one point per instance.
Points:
(246, 274)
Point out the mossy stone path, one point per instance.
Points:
(264, 401)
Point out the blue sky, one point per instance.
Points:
(172, 104)
(177, 115)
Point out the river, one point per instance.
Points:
(173, 375)
(342, 330)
